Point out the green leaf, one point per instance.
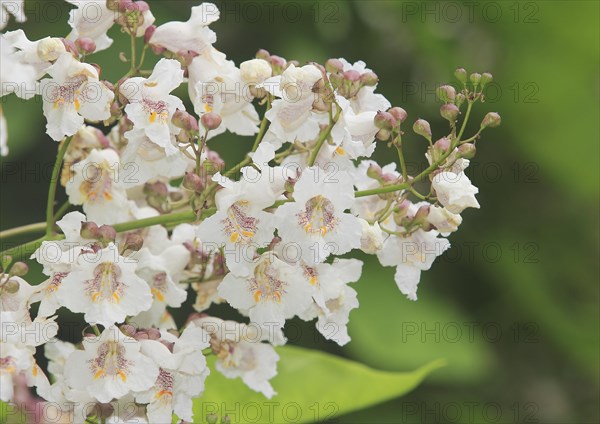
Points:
(312, 386)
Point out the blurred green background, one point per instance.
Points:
(514, 304)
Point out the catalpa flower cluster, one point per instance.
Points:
(155, 218)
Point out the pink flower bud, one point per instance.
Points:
(449, 112)
(263, 54)
(467, 151)
(446, 93)
(370, 79)
(352, 75)
(106, 234)
(398, 113)
(491, 120)
(193, 182)
(133, 242)
(89, 230)
(422, 128)
(142, 6)
(70, 46)
(442, 145)
(185, 121)
(211, 121)
(461, 75)
(334, 66)
(86, 45)
(383, 135)
(385, 121)
(11, 286)
(20, 269)
(149, 33)
(374, 171)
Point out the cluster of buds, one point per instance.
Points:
(348, 83)
(389, 123)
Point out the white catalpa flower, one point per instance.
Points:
(13, 361)
(15, 8)
(110, 366)
(333, 298)
(291, 115)
(142, 160)
(96, 185)
(92, 19)
(411, 254)
(255, 71)
(443, 220)
(15, 299)
(151, 106)
(455, 191)
(24, 62)
(316, 221)
(57, 257)
(162, 273)
(193, 35)
(182, 371)
(241, 353)
(73, 93)
(215, 85)
(105, 287)
(240, 223)
(269, 289)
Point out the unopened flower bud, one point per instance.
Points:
(460, 99)
(486, 78)
(255, 71)
(193, 182)
(149, 33)
(133, 242)
(400, 211)
(89, 230)
(450, 112)
(214, 161)
(446, 93)
(212, 418)
(383, 135)
(352, 75)
(398, 113)
(374, 171)
(336, 79)
(475, 78)
(491, 120)
(70, 46)
(20, 269)
(106, 234)
(211, 121)
(141, 6)
(461, 75)
(185, 121)
(442, 145)
(370, 79)
(334, 66)
(156, 189)
(422, 128)
(128, 329)
(11, 286)
(49, 49)
(263, 54)
(384, 120)
(277, 62)
(86, 45)
(5, 261)
(467, 151)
